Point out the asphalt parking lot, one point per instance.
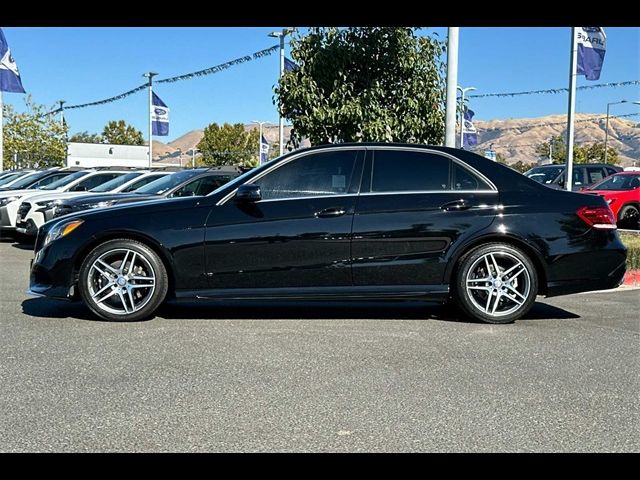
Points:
(316, 377)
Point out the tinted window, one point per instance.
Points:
(619, 182)
(325, 173)
(96, 180)
(164, 184)
(11, 178)
(595, 174)
(611, 171)
(402, 171)
(116, 182)
(543, 174)
(463, 179)
(143, 181)
(49, 180)
(65, 181)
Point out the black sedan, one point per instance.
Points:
(187, 183)
(349, 221)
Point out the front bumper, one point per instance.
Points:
(34, 220)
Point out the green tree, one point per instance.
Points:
(119, 133)
(229, 145)
(589, 153)
(522, 167)
(86, 137)
(38, 139)
(364, 84)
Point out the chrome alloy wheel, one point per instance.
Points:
(121, 281)
(498, 283)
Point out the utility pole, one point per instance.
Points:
(150, 76)
(551, 150)
(452, 82)
(281, 35)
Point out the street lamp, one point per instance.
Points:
(281, 35)
(260, 138)
(462, 92)
(606, 130)
(193, 157)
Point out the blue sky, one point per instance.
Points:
(85, 64)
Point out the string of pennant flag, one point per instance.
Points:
(556, 90)
(188, 76)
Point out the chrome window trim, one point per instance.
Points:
(454, 159)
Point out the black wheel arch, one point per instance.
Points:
(533, 253)
(150, 242)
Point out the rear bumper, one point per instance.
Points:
(605, 282)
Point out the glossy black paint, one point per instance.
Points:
(369, 245)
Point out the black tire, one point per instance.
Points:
(474, 301)
(629, 217)
(151, 293)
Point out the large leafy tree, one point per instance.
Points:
(86, 137)
(587, 153)
(119, 133)
(364, 84)
(229, 145)
(35, 137)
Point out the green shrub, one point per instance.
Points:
(632, 242)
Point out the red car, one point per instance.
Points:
(622, 193)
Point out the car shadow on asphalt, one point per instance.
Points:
(205, 310)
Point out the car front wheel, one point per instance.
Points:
(123, 280)
(496, 283)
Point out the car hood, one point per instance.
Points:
(105, 197)
(48, 197)
(143, 207)
(22, 191)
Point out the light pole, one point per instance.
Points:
(180, 156)
(150, 76)
(193, 157)
(260, 138)
(606, 130)
(462, 92)
(281, 35)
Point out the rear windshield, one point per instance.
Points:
(544, 174)
(618, 182)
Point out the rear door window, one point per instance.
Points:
(407, 171)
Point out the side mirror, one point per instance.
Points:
(248, 193)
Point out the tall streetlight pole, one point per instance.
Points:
(606, 130)
(193, 157)
(260, 138)
(452, 81)
(62, 102)
(462, 92)
(150, 76)
(281, 35)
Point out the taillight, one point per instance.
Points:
(597, 217)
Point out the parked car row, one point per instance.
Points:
(29, 198)
(621, 189)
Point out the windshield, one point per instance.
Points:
(164, 184)
(29, 180)
(116, 182)
(64, 181)
(11, 178)
(618, 182)
(543, 174)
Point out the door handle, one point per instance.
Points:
(455, 206)
(331, 212)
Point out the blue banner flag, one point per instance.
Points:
(592, 44)
(289, 65)
(469, 131)
(264, 150)
(9, 76)
(159, 117)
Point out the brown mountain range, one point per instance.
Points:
(516, 139)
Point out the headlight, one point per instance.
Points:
(7, 200)
(48, 205)
(106, 203)
(61, 229)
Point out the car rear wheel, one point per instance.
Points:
(496, 283)
(629, 217)
(123, 280)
